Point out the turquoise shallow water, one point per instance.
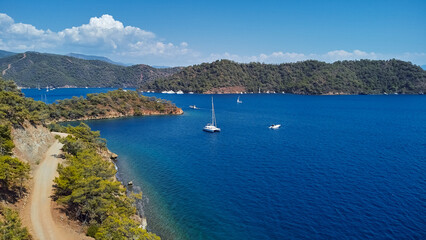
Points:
(340, 167)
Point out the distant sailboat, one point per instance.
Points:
(43, 98)
(238, 100)
(212, 127)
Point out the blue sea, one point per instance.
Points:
(340, 167)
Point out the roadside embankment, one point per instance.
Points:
(36, 145)
(31, 142)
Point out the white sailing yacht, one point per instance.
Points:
(238, 100)
(212, 127)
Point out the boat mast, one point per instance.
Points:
(213, 116)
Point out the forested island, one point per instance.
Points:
(86, 186)
(307, 77)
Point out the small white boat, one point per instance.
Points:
(179, 92)
(238, 100)
(130, 183)
(275, 126)
(193, 107)
(212, 127)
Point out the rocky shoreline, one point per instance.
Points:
(113, 115)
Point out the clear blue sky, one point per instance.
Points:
(240, 30)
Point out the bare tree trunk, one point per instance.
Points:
(20, 188)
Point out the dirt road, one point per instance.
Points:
(10, 65)
(44, 225)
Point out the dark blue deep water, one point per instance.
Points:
(340, 167)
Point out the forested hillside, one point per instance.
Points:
(86, 184)
(32, 69)
(6, 53)
(307, 77)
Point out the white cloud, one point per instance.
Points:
(22, 37)
(344, 55)
(108, 37)
(102, 35)
(331, 56)
(107, 32)
(5, 20)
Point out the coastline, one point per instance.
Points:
(155, 217)
(99, 156)
(130, 189)
(177, 111)
(288, 93)
(114, 158)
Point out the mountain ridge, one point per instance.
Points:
(100, 58)
(33, 69)
(6, 53)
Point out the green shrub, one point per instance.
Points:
(92, 230)
(11, 227)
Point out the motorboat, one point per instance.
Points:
(275, 126)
